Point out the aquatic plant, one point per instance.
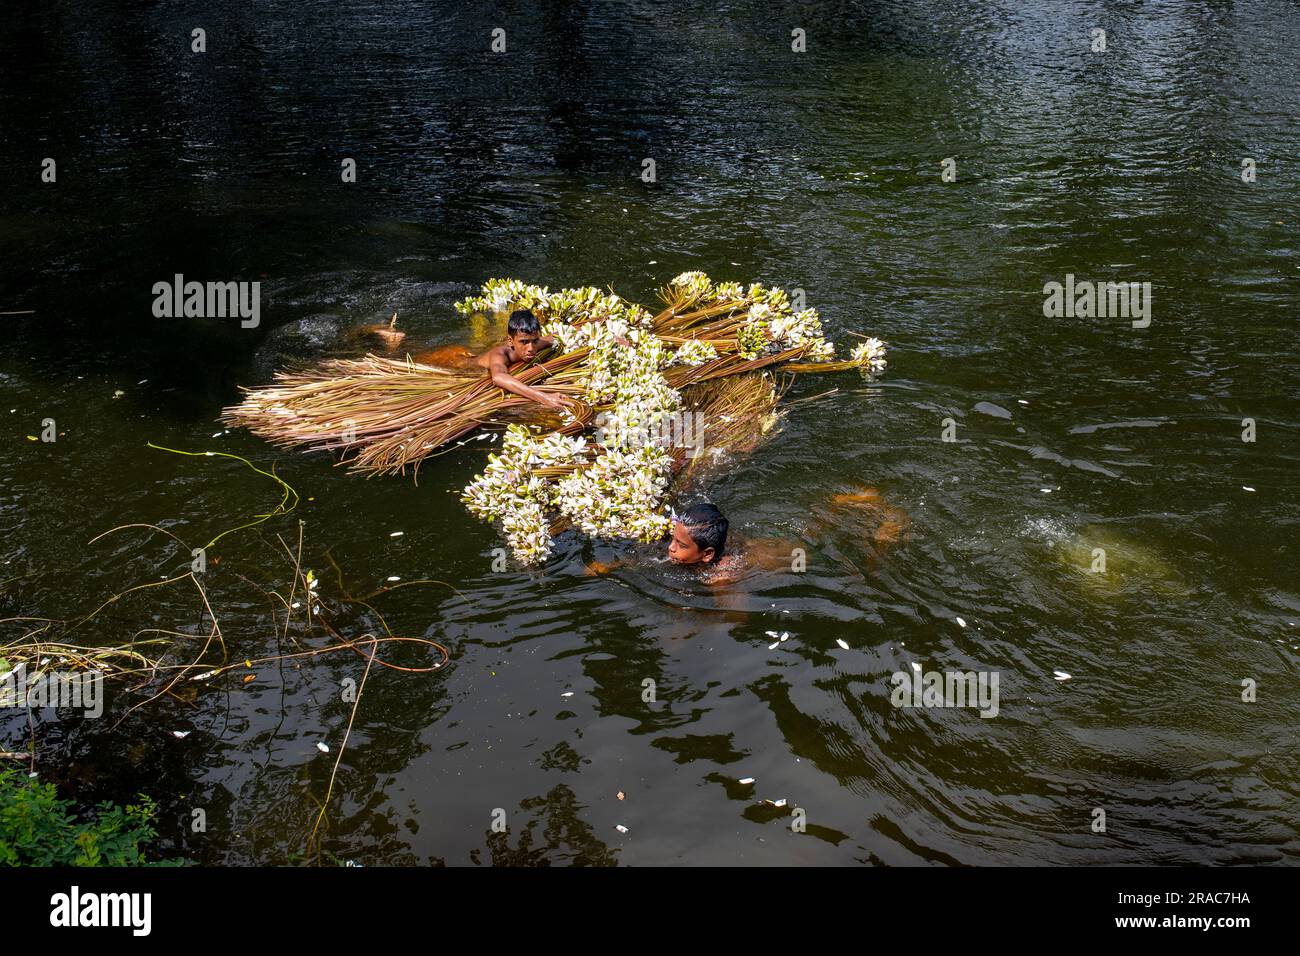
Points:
(38, 828)
(869, 354)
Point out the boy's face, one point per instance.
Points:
(525, 344)
(682, 548)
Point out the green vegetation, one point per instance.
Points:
(39, 829)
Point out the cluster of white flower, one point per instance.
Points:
(619, 495)
(725, 291)
(509, 492)
(773, 326)
(629, 378)
(692, 286)
(527, 531)
(870, 354)
(505, 295)
(774, 298)
(586, 304)
(565, 307)
(822, 351)
(694, 352)
(794, 329)
(567, 337)
(622, 374)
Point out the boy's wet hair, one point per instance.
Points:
(707, 527)
(523, 321)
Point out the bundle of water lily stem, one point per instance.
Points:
(630, 375)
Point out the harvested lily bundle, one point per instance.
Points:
(626, 370)
(735, 413)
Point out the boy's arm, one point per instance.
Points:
(502, 378)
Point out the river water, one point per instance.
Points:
(819, 170)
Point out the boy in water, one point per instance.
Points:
(523, 342)
(700, 537)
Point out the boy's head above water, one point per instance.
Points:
(699, 536)
(525, 333)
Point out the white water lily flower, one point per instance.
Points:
(870, 353)
(725, 291)
(822, 351)
(692, 286)
(799, 329)
(694, 352)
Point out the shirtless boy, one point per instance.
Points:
(524, 341)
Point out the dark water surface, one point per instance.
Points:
(819, 171)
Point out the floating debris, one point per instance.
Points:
(842, 643)
(785, 635)
(181, 734)
(746, 781)
(1247, 488)
(776, 803)
(119, 393)
(567, 693)
(394, 577)
(620, 828)
(323, 748)
(961, 622)
(1061, 675)
(397, 534)
(774, 645)
(622, 795)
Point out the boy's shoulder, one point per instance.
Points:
(500, 351)
(728, 568)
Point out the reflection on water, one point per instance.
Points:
(1068, 436)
